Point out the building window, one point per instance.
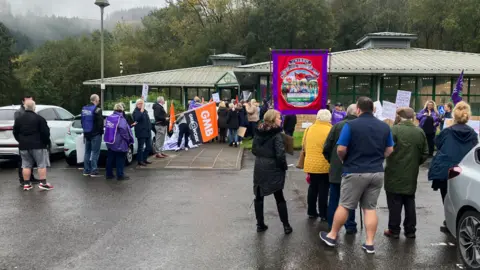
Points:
(204, 93)
(346, 100)
(226, 94)
(443, 86)
(474, 86)
(345, 84)
(332, 87)
(192, 93)
(176, 94)
(363, 86)
(425, 85)
(390, 86)
(474, 102)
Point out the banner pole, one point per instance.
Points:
(329, 76)
(271, 77)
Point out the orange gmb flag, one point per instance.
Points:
(202, 122)
(172, 117)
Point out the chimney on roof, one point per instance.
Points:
(227, 59)
(386, 40)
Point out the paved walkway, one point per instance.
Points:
(212, 156)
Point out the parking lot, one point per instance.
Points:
(192, 219)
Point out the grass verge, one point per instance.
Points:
(297, 141)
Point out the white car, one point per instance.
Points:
(58, 120)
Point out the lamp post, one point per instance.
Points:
(102, 4)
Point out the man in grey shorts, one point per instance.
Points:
(363, 145)
(33, 136)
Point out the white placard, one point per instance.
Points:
(102, 86)
(403, 98)
(378, 110)
(80, 148)
(216, 97)
(246, 95)
(145, 92)
(306, 124)
(389, 110)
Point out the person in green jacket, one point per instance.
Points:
(335, 173)
(401, 173)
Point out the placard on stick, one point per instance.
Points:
(403, 98)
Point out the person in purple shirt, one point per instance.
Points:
(429, 119)
(338, 113)
(118, 138)
(195, 103)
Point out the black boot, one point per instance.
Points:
(283, 213)
(261, 227)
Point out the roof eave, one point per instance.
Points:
(149, 84)
(364, 39)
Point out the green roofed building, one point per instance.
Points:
(384, 63)
(180, 84)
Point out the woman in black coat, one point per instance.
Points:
(222, 122)
(453, 143)
(270, 168)
(233, 122)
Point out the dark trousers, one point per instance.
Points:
(144, 149)
(318, 192)
(252, 126)
(443, 192)
(395, 204)
(222, 133)
(183, 133)
(333, 202)
(431, 143)
(281, 206)
(116, 159)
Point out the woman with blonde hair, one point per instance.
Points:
(316, 165)
(429, 119)
(453, 143)
(270, 168)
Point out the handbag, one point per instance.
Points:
(288, 142)
(301, 158)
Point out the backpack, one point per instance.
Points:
(88, 116)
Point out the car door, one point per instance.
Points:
(63, 121)
(57, 130)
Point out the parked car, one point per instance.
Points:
(76, 130)
(58, 119)
(462, 207)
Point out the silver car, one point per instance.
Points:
(58, 120)
(462, 207)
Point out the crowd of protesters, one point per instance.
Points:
(344, 154)
(345, 164)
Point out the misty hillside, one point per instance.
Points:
(31, 31)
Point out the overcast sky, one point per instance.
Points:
(78, 8)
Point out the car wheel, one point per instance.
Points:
(129, 157)
(72, 161)
(468, 238)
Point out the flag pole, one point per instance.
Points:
(271, 76)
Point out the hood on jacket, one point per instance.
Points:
(463, 133)
(266, 131)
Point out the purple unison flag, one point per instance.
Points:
(457, 92)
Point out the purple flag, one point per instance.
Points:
(457, 92)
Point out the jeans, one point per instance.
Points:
(318, 193)
(232, 135)
(161, 131)
(395, 204)
(92, 153)
(333, 205)
(144, 149)
(117, 158)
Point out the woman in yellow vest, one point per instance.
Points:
(316, 165)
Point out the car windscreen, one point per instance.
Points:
(7, 114)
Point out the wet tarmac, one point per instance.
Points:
(192, 220)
